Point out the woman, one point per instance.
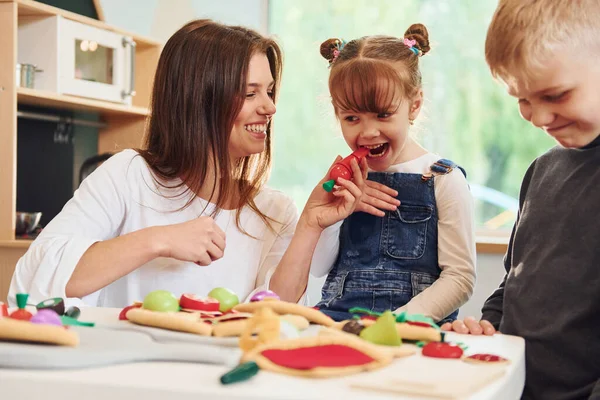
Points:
(190, 211)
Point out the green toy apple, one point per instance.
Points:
(161, 300)
(227, 299)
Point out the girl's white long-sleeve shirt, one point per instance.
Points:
(456, 243)
(121, 196)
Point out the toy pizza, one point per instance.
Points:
(283, 307)
(405, 331)
(393, 351)
(43, 326)
(318, 357)
(173, 321)
(202, 316)
(484, 358)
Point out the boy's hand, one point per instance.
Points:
(376, 198)
(470, 325)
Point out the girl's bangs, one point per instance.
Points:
(365, 86)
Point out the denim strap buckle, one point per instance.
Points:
(426, 177)
(447, 169)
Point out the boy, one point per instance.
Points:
(547, 53)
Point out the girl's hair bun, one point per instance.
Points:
(419, 33)
(327, 48)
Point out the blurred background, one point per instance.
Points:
(468, 117)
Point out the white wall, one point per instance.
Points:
(159, 19)
(490, 272)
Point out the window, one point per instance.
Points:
(468, 117)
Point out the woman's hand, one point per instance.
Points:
(376, 198)
(200, 241)
(470, 325)
(324, 209)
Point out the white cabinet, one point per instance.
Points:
(78, 59)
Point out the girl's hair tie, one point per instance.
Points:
(410, 43)
(339, 46)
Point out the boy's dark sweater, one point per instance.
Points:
(551, 294)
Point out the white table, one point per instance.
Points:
(182, 381)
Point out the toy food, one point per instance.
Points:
(190, 301)
(265, 294)
(161, 300)
(227, 299)
(21, 313)
(342, 168)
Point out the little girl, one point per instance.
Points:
(418, 256)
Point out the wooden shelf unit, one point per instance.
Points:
(35, 97)
(16, 244)
(124, 124)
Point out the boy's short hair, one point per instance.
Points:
(524, 34)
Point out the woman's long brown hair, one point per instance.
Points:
(199, 89)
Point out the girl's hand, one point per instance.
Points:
(200, 241)
(470, 325)
(324, 209)
(378, 197)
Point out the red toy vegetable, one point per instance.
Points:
(192, 302)
(342, 168)
(123, 313)
(21, 313)
(442, 350)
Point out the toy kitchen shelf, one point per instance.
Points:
(36, 97)
(123, 124)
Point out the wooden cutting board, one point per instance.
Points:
(167, 336)
(101, 346)
(433, 378)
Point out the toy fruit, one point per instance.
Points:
(264, 294)
(123, 313)
(161, 300)
(47, 316)
(383, 331)
(442, 350)
(342, 169)
(192, 302)
(21, 313)
(227, 299)
(56, 303)
(3, 309)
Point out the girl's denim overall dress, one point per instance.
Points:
(383, 262)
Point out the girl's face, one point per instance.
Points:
(249, 128)
(562, 99)
(385, 133)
